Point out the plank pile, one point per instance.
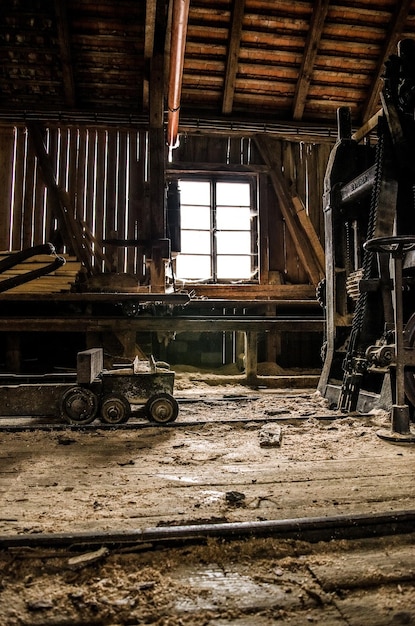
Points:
(60, 280)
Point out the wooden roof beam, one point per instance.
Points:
(233, 55)
(149, 30)
(396, 26)
(65, 53)
(310, 52)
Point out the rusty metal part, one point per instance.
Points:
(137, 388)
(79, 405)
(312, 529)
(115, 409)
(352, 284)
(361, 311)
(397, 247)
(78, 397)
(161, 408)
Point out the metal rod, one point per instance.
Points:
(400, 363)
(311, 528)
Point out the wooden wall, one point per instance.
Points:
(105, 175)
(300, 165)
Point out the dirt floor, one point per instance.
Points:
(258, 582)
(235, 454)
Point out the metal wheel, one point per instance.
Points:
(161, 408)
(115, 409)
(79, 406)
(398, 244)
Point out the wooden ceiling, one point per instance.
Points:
(244, 60)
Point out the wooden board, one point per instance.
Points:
(59, 280)
(130, 479)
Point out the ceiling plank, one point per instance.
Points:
(233, 55)
(65, 53)
(310, 53)
(395, 29)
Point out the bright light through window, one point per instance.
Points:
(218, 234)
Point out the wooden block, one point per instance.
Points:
(89, 364)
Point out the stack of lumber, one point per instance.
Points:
(60, 280)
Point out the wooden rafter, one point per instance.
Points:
(233, 55)
(394, 32)
(65, 52)
(149, 30)
(310, 52)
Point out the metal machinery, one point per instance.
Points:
(369, 291)
(92, 391)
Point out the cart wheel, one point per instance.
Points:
(115, 409)
(79, 406)
(161, 408)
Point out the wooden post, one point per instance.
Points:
(157, 153)
(300, 238)
(251, 358)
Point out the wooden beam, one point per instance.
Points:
(395, 29)
(367, 128)
(310, 52)
(65, 52)
(157, 148)
(309, 230)
(300, 238)
(149, 29)
(71, 230)
(233, 55)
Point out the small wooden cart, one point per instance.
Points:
(91, 392)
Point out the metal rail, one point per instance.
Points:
(305, 528)
(149, 323)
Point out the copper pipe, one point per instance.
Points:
(177, 48)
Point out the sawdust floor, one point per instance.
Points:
(240, 454)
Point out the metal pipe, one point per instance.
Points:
(305, 528)
(177, 47)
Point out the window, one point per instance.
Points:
(218, 231)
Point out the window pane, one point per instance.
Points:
(234, 266)
(233, 194)
(194, 192)
(196, 217)
(193, 267)
(230, 218)
(195, 241)
(233, 242)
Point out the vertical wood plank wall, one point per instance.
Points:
(104, 172)
(303, 167)
(97, 168)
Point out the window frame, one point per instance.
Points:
(213, 179)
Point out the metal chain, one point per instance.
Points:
(368, 255)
